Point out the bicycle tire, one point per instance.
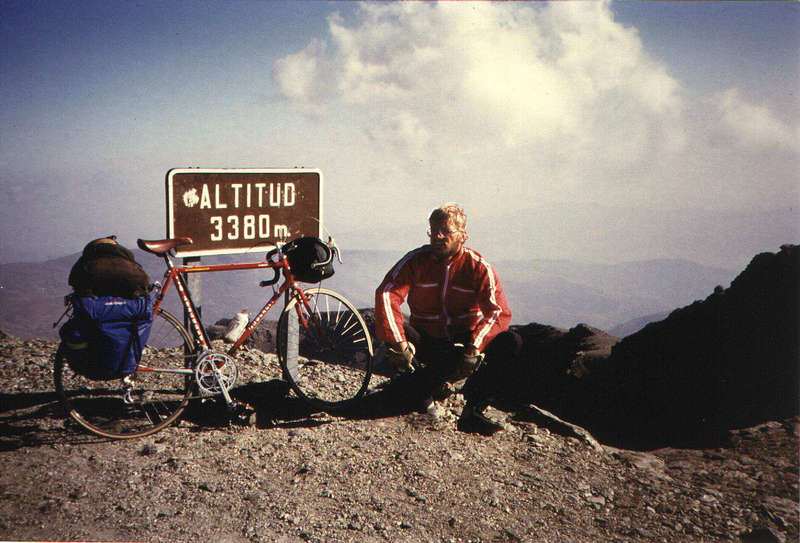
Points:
(156, 398)
(333, 365)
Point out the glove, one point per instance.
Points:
(402, 360)
(469, 363)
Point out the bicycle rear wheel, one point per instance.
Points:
(329, 363)
(143, 403)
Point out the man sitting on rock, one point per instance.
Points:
(459, 313)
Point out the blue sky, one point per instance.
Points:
(570, 118)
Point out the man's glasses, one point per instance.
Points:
(446, 233)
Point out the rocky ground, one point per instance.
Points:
(382, 474)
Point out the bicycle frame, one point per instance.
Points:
(176, 274)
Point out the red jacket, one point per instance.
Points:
(445, 298)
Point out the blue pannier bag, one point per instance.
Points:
(106, 334)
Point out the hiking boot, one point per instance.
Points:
(473, 421)
(443, 391)
(432, 408)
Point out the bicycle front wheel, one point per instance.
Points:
(328, 361)
(148, 400)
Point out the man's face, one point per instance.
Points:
(445, 239)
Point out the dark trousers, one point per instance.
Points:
(440, 358)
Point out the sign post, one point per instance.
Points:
(228, 211)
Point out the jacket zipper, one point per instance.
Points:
(444, 301)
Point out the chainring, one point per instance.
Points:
(215, 372)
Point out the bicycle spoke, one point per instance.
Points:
(334, 361)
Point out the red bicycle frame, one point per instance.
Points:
(175, 274)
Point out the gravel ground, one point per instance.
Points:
(383, 474)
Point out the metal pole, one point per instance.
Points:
(292, 339)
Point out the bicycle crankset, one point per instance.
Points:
(215, 373)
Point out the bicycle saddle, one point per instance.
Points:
(162, 246)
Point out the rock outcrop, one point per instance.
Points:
(728, 361)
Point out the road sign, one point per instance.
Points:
(240, 210)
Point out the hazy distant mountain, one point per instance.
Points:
(633, 326)
(564, 293)
(560, 293)
(603, 233)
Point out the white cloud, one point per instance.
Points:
(299, 77)
(499, 105)
(751, 124)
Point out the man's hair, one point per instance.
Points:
(454, 212)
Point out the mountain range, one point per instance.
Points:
(620, 298)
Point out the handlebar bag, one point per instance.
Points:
(106, 334)
(303, 253)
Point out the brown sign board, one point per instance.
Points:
(228, 211)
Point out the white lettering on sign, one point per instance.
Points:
(281, 231)
(274, 195)
(236, 187)
(268, 195)
(205, 198)
(233, 221)
(248, 227)
(217, 203)
(263, 226)
(216, 223)
(288, 194)
(260, 190)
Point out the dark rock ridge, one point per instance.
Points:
(728, 361)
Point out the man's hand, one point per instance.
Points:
(401, 355)
(471, 360)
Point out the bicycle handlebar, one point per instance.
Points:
(272, 281)
(331, 247)
(276, 271)
(328, 259)
(335, 248)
